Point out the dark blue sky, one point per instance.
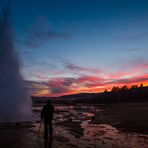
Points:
(73, 38)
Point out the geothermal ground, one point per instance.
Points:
(83, 126)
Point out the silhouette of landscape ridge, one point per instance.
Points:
(116, 95)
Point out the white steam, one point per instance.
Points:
(14, 102)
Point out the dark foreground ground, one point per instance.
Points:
(81, 126)
(131, 117)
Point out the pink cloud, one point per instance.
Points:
(62, 86)
(88, 79)
(95, 82)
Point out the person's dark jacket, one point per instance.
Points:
(47, 113)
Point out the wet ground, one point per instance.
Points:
(73, 128)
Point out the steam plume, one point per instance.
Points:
(14, 102)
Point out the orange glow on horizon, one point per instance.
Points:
(60, 86)
(82, 89)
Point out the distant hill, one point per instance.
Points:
(134, 94)
(63, 99)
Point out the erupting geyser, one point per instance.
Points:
(14, 102)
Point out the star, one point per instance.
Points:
(61, 21)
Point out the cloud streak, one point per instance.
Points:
(78, 69)
(134, 37)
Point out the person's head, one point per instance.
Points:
(48, 102)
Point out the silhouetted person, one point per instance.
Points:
(47, 116)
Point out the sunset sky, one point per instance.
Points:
(74, 46)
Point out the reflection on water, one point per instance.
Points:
(94, 135)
